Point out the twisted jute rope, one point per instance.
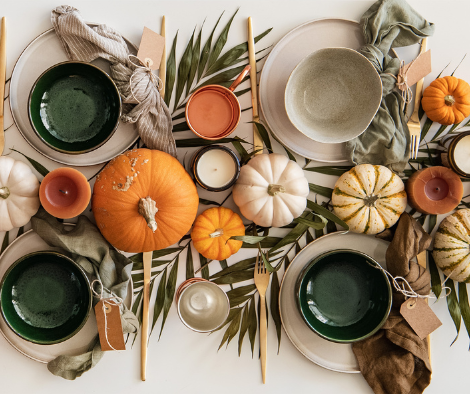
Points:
(139, 65)
(114, 300)
(402, 286)
(402, 82)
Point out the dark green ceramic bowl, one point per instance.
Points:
(74, 107)
(343, 296)
(45, 297)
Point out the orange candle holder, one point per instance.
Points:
(65, 193)
(434, 190)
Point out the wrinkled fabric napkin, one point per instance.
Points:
(87, 247)
(82, 42)
(395, 360)
(387, 24)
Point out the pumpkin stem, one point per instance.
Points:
(4, 192)
(370, 200)
(148, 209)
(449, 100)
(275, 189)
(217, 233)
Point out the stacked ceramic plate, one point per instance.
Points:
(291, 78)
(331, 355)
(78, 343)
(40, 55)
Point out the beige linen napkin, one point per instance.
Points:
(85, 43)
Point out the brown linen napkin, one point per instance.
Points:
(395, 360)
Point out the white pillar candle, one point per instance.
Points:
(216, 168)
(462, 154)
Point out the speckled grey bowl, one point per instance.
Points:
(333, 94)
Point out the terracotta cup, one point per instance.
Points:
(213, 111)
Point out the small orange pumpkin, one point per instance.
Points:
(144, 200)
(447, 100)
(212, 230)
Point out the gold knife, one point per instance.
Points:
(257, 141)
(3, 69)
(145, 313)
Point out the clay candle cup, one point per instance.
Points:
(213, 111)
(215, 168)
(434, 190)
(65, 193)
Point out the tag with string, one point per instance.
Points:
(108, 319)
(151, 49)
(420, 316)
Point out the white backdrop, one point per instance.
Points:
(184, 361)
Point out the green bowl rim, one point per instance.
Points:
(85, 150)
(312, 263)
(82, 271)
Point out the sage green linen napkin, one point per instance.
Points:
(387, 24)
(86, 246)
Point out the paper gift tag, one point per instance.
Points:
(417, 69)
(151, 48)
(420, 316)
(108, 319)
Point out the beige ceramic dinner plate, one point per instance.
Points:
(78, 344)
(43, 52)
(330, 355)
(282, 60)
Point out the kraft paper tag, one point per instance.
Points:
(151, 48)
(420, 316)
(417, 69)
(108, 318)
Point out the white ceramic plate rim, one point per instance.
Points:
(128, 301)
(300, 150)
(92, 158)
(297, 259)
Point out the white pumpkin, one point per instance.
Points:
(452, 246)
(19, 193)
(271, 190)
(369, 198)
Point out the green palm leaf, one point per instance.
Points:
(220, 43)
(206, 51)
(183, 69)
(170, 72)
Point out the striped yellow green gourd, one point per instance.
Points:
(369, 198)
(451, 246)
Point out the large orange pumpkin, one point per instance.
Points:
(144, 200)
(212, 230)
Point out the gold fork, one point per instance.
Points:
(414, 125)
(262, 282)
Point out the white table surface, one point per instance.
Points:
(184, 361)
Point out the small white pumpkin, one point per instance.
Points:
(452, 246)
(369, 198)
(19, 193)
(271, 190)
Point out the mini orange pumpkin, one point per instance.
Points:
(144, 200)
(212, 230)
(447, 100)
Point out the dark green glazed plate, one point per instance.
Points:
(343, 297)
(45, 297)
(74, 107)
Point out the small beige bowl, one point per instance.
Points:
(333, 94)
(202, 305)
